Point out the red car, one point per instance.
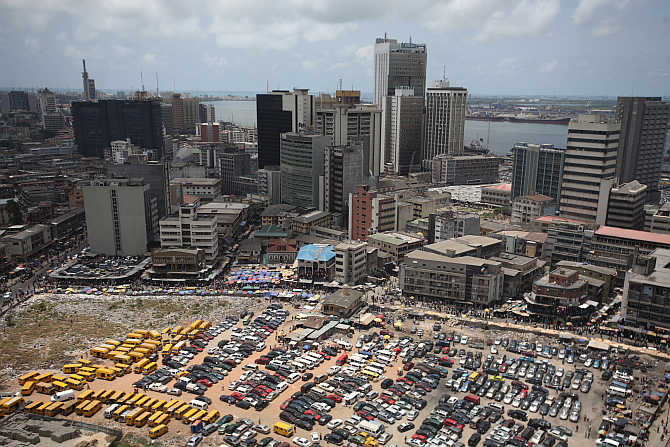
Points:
(312, 413)
(421, 438)
(365, 415)
(335, 397)
(262, 360)
(408, 366)
(205, 382)
(324, 355)
(285, 404)
(237, 395)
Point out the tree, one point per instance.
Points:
(15, 214)
(506, 210)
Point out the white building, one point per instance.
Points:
(444, 124)
(351, 262)
(398, 65)
(190, 230)
(204, 188)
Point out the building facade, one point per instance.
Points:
(370, 212)
(451, 224)
(644, 126)
(464, 170)
(351, 262)
(646, 292)
(537, 169)
(345, 168)
(302, 170)
(398, 65)
(500, 194)
(589, 168)
(396, 245)
(560, 295)
(625, 207)
(444, 123)
(402, 131)
(203, 188)
(191, 231)
(525, 209)
(269, 183)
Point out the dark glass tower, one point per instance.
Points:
(272, 120)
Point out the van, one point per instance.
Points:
(284, 429)
(63, 396)
(350, 398)
(199, 404)
(293, 377)
(109, 411)
(372, 427)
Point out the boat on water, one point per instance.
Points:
(531, 119)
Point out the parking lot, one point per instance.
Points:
(429, 385)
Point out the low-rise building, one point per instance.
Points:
(351, 262)
(397, 245)
(328, 233)
(25, 244)
(604, 274)
(280, 214)
(465, 281)
(344, 303)
(646, 292)
(525, 209)
(519, 273)
(316, 262)
(524, 243)
(231, 217)
(561, 295)
(204, 188)
(449, 224)
(281, 251)
(660, 220)
(303, 224)
(178, 264)
(500, 194)
(469, 245)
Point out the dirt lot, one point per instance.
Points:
(55, 328)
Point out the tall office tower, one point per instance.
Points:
(4, 102)
(269, 183)
(166, 117)
(155, 174)
(191, 114)
(350, 124)
(402, 131)
(589, 168)
(120, 217)
(344, 170)
(278, 112)
(18, 100)
(84, 77)
(644, 127)
(177, 112)
(444, 123)
(398, 65)
(97, 124)
(52, 120)
(301, 165)
(537, 169)
(233, 165)
(206, 113)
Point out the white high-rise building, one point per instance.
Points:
(590, 168)
(399, 65)
(402, 131)
(444, 123)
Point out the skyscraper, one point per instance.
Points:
(644, 126)
(344, 170)
(97, 124)
(444, 123)
(398, 65)
(278, 112)
(301, 167)
(402, 128)
(177, 112)
(18, 100)
(589, 168)
(537, 169)
(52, 120)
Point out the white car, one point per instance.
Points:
(158, 387)
(174, 392)
(334, 423)
(233, 385)
(301, 442)
(412, 415)
(315, 436)
(464, 340)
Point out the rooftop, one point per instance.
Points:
(316, 252)
(502, 187)
(311, 216)
(632, 187)
(345, 297)
(196, 181)
(526, 235)
(661, 274)
(395, 238)
(642, 236)
(591, 267)
(350, 245)
(463, 260)
(550, 219)
(535, 198)
(279, 209)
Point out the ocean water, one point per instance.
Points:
(500, 135)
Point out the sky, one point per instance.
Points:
(499, 47)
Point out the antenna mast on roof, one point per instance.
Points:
(157, 94)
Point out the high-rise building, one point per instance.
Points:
(278, 112)
(344, 170)
(97, 124)
(52, 120)
(589, 168)
(444, 123)
(301, 165)
(537, 169)
(234, 164)
(351, 260)
(121, 217)
(269, 183)
(191, 114)
(177, 112)
(402, 131)
(399, 65)
(464, 169)
(644, 126)
(18, 100)
(191, 229)
(347, 125)
(370, 212)
(155, 174)
(206, 113)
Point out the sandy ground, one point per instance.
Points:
(178, 432)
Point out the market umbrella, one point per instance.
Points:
(377, 320)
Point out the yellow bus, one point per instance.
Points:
(186, 417)
(137, 366)
(53, 409)
(89, 369)
(119, 411)
(86, 395)
(84, 362)
(154, 417)
(96, 394)
(171, 406)
(179, 338)
(58, 378)
(77, 377)
(140, 402)
(205, 325)
(181, 411)
(60, 386)
(199, 415)
(134, 336)
(32, 406)
(177, 329)
(87, 376)
(142, 419)
(158, 405)
(80, 407)
(71, 368)
(107, 396)
(132, 415)
(283, 429)
(41, 410)
(123, 367)
(158, 431)
(99, 352)
(45, 388)
(211, 417)
(124, 349)
(68, 407)
(166, 349)
(149, 368)
(133, 400)
(192, 333)
(179, 346)
(44, 377)
(164, 419)
(112, 342)
(105, 374)
(115, 396)
(148, 346)
(28, 388)
(149, 403)
(123, 398)
(28, 376)
(144, 351)
(154, 335)
(196, 324)
(136, 356)
(92, 408)
(132, 342)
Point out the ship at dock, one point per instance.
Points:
(530, 119)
